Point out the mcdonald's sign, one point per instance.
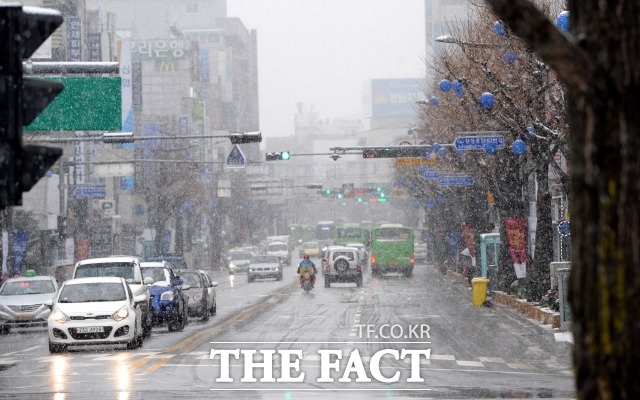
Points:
(166, 66)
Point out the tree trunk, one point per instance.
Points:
(603, 80)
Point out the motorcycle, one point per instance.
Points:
(306, 282)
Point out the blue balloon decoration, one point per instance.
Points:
(499, 29)
(427, 155)
(422, 169)
(410, 131)
(562, 21)
(518, 147)
(490, 148)
(457, 88)
(509, 57)
(487, 99)
(435, 147)
(441, 199)
(445, 85)
(442, 152)
(530, 129)
(431, 203)
(434, 101)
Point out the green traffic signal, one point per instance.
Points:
(339, 195)
(285, 155)
(327, 191)
(379, 189)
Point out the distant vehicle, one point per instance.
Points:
(238, 261)
(349, 233)
(311, 248)
(26, 301)
(281, 250)
(325, 232)
(128, 268)
(91, 311)
(363, 254)
(281, 239)
(202, 300)
(392, 249)
(341, 264)
(264, 266)
(168, 303)
(177, 260)
(420, 251)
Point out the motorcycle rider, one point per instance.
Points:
(306, 265)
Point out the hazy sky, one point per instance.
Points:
(321, 51)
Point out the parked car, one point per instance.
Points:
(341, 264)
(264, 266)
(92, 311)
(168, 302)
(128, 268)
(202, 300)
(280, 249)
(26, 301)
(211, 289)
(238, 261)
(311, 248)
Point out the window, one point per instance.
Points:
(349, 255)
(92, 292)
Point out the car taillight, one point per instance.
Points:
(327, 268)
(412, 260)
(358, 268)
(373, 259)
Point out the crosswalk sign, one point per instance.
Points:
(236, 158)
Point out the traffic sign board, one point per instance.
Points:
(235, 159)
(478, 142)
(431, 175)
(455, 180)
(90, 192)
(413, 161)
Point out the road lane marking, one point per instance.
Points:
(469, 363)
(491, 359)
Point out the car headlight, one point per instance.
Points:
(277, 269)
(250, 269)
(168, 295)
(232, 266)
(121, 314)
(197, 297)
(59, 316)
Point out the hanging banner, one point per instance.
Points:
(5, 254)
(82, 249)
(517, 238)
(20, 243)
(467, 232)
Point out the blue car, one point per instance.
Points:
(168, 303)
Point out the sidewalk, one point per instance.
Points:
(545, 320)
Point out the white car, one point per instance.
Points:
(91, 311)
(26, 301)
(362, 252)
(280, 249)
(238, 261)
(264, 266)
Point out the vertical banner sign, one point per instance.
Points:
(5, 253)
(467, 232)
(95, 47)
(517, 238)
(136, 84)
(20, 243)
(126, 77)
(204, 65)
(74, 39)
(82, 249)
(79, 161)
(69, 249)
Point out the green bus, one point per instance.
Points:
(392, 249)
(350, 233)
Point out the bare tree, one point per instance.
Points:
(598, 61)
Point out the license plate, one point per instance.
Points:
(24, 317)
(90, 329)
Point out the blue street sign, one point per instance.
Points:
(89, 192)
(235, 159)
(431, 175)
(478, 142)
(455, 180)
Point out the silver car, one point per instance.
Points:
(264, 266)
(201, 292)
(26, 301)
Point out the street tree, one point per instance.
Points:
(597, 62)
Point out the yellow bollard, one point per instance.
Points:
(479, 290)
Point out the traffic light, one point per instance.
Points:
(327, 192)
(22, 31)
(278, 156)
(245, 137)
